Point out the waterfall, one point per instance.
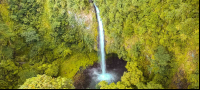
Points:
(99, 76)
(103, 75)
(101, 35)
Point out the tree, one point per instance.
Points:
(194, 80)
(52, 69)
(47, 82)
(135, 50)
(133, 76)
(25, 74)
(150, 85)
(104, 85)
(8, 76)
(161, 61)
(30, 35)
(128, 81)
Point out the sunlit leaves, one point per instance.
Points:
(188, 26)
(134, 75)
(55, 24)
(102, 84)
(135, 50)
(61, 51)
(150, 85)
(194, 80)
(8, 77)
(71, 66)
(183, 37)
(52, 69)
(47, 82)
(128, 26)
(128, 80)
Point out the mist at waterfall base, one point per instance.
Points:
(97, 76)
(89, 77)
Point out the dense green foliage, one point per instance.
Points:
(161, 36)
(8, 71)
(49, 41)
(37, 36)
(47, 82)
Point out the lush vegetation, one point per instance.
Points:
(47, 82)
(37, 36)
(160, 39)
(44, 43)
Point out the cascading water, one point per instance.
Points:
(104, 75)
(99, 72)
(101, 35)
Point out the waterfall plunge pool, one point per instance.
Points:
(92, 75)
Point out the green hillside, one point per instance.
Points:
(45, 43)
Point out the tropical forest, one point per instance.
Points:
(99, 44)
